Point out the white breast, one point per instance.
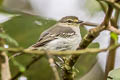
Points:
(70, 43)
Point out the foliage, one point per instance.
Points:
(114, 74)
(20, 66)
(114, 36)
(83, 31)
(8, 38)
(22, 28)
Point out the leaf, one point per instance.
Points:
(83, 31)
(114, 75)
(114, 36)
(20, 66)
(26, 30)
(94, 45)
(6, 16)
(8, 38)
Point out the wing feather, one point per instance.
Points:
(53, 33)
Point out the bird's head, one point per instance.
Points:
(71, 20)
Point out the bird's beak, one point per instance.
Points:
(79, 22)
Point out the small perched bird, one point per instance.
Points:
(64, 35)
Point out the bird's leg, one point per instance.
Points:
(61, 59)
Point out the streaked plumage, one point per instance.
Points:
(65, 35)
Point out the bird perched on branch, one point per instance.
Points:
(64, 35)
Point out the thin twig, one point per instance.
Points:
(35, 59)
(89, 24)
(110, 60)
(113, 29)
(53, 66)
(111, 55)
(5, 69)
(114, 4)
(92, 34)
(68, 52)
(104, 8)
(108, 16)
(4, 63)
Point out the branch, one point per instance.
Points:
(113, 20)
(104, 8)
(68, 52)
(91, 50)
(111, 55)
(89, 24)
(113, 3)
(108, 16)
(27, 67)
(53, 66)
(92, 34)
(4, 64)
(113, 29)
(5, 70)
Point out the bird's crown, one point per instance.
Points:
(70, 19)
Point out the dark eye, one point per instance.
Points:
(69, 21)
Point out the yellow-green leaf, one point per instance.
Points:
(114, 36)
(114, 74)
(8, 38)
(20, 66)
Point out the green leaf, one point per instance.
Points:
(83, 31)
(1, 48)
(114, 36)
(20, 66)
(94, 45)
(26, 29)
(114, 74)
(8, 38)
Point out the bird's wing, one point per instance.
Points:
(44, 40)
(54, 33)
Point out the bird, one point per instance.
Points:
(64, 35)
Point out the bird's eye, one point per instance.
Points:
(69, 21)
